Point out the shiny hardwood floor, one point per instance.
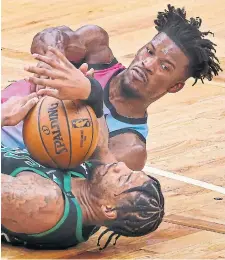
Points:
(187, 130)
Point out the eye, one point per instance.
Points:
(121, 180)
(164, 67)
(149, 51)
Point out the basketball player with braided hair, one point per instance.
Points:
(178, 51)
(46, 208)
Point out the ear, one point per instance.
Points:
(176, 87)
(108, 212)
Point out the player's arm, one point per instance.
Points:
(67, 82)
(128, 148)
(64, 81)
(16, 108)
(89, 43)
(57, 37)
(30, 203)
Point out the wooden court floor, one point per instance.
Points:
(187, 130)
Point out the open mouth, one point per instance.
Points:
(139, 74)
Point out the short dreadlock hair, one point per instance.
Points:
(187, 36)
(139, 215)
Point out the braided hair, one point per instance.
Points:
(186, 34)
(139, 215)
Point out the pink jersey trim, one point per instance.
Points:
(103, 76)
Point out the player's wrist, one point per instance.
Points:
(95, 98)
(86, 89)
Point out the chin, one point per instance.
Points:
(128, 88)
(128, 92)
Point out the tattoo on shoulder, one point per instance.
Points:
(28, 196)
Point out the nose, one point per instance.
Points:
(150, 64)
(121, 166)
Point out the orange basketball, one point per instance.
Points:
(60, 134)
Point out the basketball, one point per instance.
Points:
(60, 134)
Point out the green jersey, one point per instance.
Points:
(69, 230)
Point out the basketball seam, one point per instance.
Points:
(92, 125)
(68, 132)
(39, 112)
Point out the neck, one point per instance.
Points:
(81, 190)
(137, 107)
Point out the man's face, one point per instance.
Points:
(112, 179)
(158, 67)
(108, 185)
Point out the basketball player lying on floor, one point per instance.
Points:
(179, 50)
(47, 208)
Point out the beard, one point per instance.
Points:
(126, 89)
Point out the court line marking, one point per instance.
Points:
(185, 179)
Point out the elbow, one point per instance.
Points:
(138, 158)
(137, 164)
(135, 158)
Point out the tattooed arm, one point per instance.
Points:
(30, 203)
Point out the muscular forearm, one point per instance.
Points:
(55, 37)
(89, 43)
(62, 38)
(30, 203)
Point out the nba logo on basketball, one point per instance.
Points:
(62, 134)
(79, 123)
